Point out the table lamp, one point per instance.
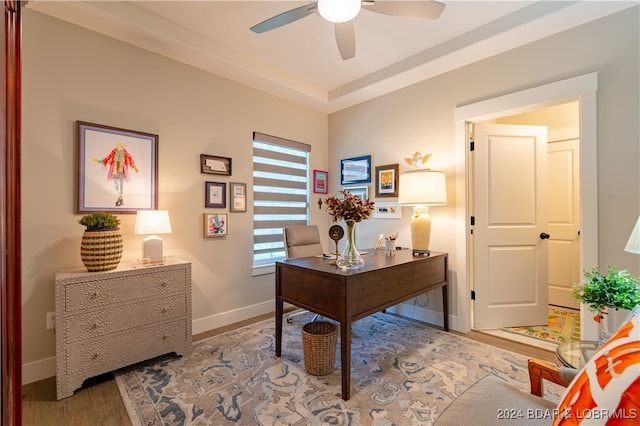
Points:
(633, 245)
(151, 222)
(421, 189)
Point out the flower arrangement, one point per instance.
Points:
(350, 207)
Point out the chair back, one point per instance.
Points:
(302, 241)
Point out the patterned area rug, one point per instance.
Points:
(564, 324)
(403, 373)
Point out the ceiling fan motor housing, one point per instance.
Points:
(338, 11)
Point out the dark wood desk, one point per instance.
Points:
(315, 284)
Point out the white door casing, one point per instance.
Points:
(510, 211)
(564, 222)
(582, 88)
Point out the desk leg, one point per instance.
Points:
(345, 357)
(279, 309)
(445, 308)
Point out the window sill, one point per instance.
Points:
(263, 270)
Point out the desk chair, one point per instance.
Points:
(301, 241)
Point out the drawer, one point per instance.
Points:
(117, 287)
(101, 355)
(120, 318)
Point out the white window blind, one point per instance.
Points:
(280, 193)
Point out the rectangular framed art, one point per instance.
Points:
(387, 180)
(360, 191)
(320, 181)
(385, 210)
(355, 170)
(238, 194)
(216, 225)
(215, 195)
(117, 169)
(215, 165)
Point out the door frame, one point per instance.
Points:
(582, 88)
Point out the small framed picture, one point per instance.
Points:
(320, 181)
(238, 194)
(387, 180)
(360, 191)
(386, 210)
(215, 195)
(355, 170)
(215, 165)
(216, 225)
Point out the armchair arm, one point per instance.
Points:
(539, 369)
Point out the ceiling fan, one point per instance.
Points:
(341, 13)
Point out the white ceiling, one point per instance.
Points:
(300, 61)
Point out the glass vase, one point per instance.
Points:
(350, 258)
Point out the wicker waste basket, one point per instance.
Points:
(319, 339)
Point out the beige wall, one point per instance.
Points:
(421, 118)
(72, 74)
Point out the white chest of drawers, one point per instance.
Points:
(108, 320)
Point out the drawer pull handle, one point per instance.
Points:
(94, 325)
(95, 356)
(164, 283)
(164, 310)
(94, 295)
(165, 336)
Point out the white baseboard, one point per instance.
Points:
(45, 368)
(38, 370)
(202, 325)
(418, 313)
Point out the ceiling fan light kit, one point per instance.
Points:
(341, 12)
(338, 11)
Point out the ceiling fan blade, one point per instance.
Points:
(427, 9)
(284, 18)
(346, 39)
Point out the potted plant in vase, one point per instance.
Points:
(101, 246)
(611, 297)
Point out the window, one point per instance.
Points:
(280, 193)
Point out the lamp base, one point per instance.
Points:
(420, 230)
(147, 261)
(152, 250)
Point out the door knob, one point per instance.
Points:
(544, 236)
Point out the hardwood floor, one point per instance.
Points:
(98, 402)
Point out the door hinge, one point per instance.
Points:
(472, 146)
(472, 220)
(473, 295)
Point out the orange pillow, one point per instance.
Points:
(607, 389)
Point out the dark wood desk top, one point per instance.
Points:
(374, 260)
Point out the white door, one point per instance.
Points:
(510, 277)
(564, 222)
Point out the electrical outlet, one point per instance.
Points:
(51, 320)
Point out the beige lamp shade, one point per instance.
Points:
(421, 189)
(151, 222)
(633, 245)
